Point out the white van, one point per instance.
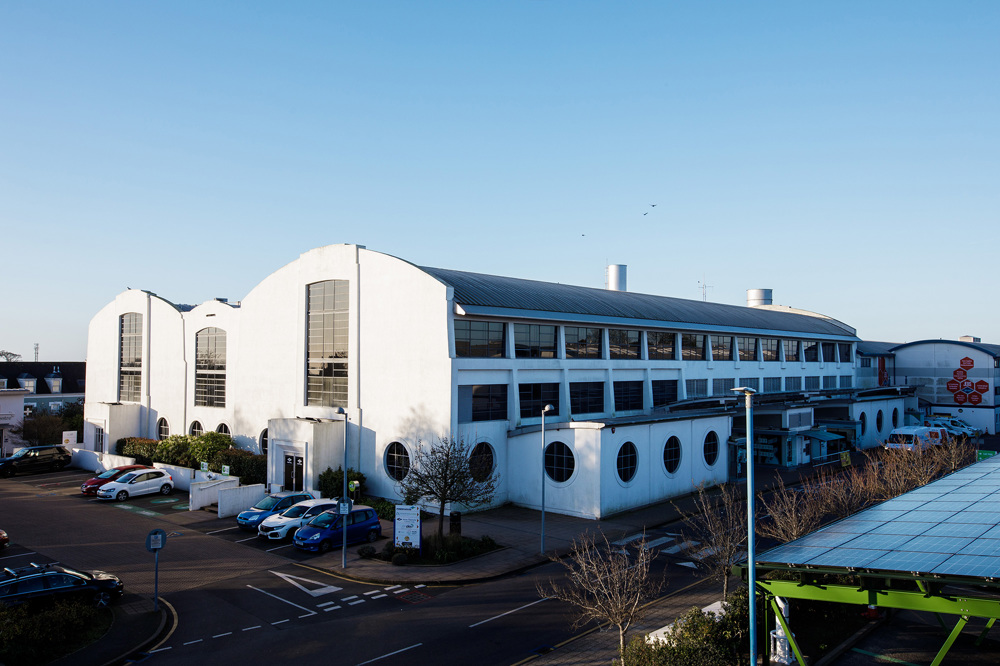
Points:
(920, 437)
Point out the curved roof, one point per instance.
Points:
(506, 293)
(992, 350)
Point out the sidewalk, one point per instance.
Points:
(137, 626)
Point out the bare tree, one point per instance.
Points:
(716, 533)
(793, 512)
(843, 493)
(606, 584)
(9, 355)
(954, 453)
(443, 473)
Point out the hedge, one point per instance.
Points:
(250, 467)
(140, 448)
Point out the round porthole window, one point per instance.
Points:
(711, 448)
(397, 461)
(559, 462)
(879, 421)
(672, 455)
(481, 462)
(628, 462)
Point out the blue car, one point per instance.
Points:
(324, 531)
(269, 506)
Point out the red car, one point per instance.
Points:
(90, 486)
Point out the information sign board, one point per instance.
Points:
(406, 529)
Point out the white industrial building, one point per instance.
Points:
(641, 384)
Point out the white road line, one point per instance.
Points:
(10, 557)
(381, 596)
(508, 612)
(627, 540)
(355, 603)
(405, 589)
(280, 622)
(419, 586)
(353, 596)
(656, 542)
(248, 539)
(228, 633)
(330, 608)
(288, 545)
(393, 587)
(252, 628)
(372, 592)
(225, 529)
(307, 615)
(311, 612)
(193, 642)
(325, 603)
(161, 650)
(390, 654)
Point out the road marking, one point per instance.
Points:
(507, 613)
(280, 622)
(270, 550)
(252, 628)
(353, 596)
(405, 589)
(30, 552)
(392, 587)
(160, 650)
(228, 633)
(247, 539)
(355, 603)
(330, 608)
(390, 654)
(193, 642)
(627, 540)
(419, 586)
(656, 542)
(372, 592)
(325, 603)
(306, 615)
(311, 612)
(135, 509)
(225, 529)
(314, 592)
(381, 596)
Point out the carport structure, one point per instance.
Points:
(933, 549)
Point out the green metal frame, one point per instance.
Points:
(877, 591)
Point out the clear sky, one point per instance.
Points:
(844, 154)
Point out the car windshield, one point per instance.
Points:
(125, 478)
(324, 520)
(110, 474)
(898, 438)
(20, 454)
(267, 503)
(294, 511)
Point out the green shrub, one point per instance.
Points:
(204, 448)
(366, 552)
(331, 482)
(26, 631)
(385, 509)
(175, 450)
(399, 559)
(250, 467)
(140, 448)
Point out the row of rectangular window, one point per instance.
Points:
(487, 339)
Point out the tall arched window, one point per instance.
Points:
(130, 357)
(210, 368)
(711, 448)
(195, 430)
(263, 441)
(162, 429)
(327, 344)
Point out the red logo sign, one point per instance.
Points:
(960, 375)
(975, 398)
(966, 363)
(961, 398)
(953, 386)
(967, 386)
(983, 386)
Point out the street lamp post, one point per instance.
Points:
(751, 555)
(545, 410)
(343, 495)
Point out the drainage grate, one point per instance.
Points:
(545, 649)
(414, 597)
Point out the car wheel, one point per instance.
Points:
(102, 599)
(372, 536)
(10, 472)
(325, 546)
(121, 496)
(166, 489)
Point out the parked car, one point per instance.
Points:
(35, 459)
(4, 540)
(284, 524)
(269, 506)
(90, 486)
(955, 427)
(324, 531)
(910, 437)
(140, 482)
(37, 581)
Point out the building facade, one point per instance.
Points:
(640, 386)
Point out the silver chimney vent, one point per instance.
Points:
(615, 277)
(758, 297)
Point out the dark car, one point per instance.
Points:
(35, 459)
(50, 581)
(325, 530)
(4, 540)
(90, 486)
(269, 506)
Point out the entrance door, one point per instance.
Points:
(294, 467)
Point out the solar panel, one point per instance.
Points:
(879, 541)
(903, 527)
(791, 554)
(981, 517)
(900, 503)
(853, 525)
(852, 558)
(992, 533)
(989, 547)
(935, 544)
(970, 565)
(903, 561)
(968, 530)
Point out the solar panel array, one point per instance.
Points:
(948, 527)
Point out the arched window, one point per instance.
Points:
(397, 461)
(879, 421)
(263, 441)
(481, 461)
(130, 357)
(162, 429)
(223, 429)
(628, 462)
(210, 368)
(672, 455)
(895, 418)
(559, 462)
(195, 428)
(864, 422)
(711, 448)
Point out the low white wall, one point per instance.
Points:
(233, 500)
(96, 461)
(182, 476)
(206, 492)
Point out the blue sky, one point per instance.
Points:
(844, 154)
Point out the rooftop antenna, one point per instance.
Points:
(704, 288)
(36, 352)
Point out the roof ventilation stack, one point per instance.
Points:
(615, 277)
(758, 297)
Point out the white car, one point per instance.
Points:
(142, 482)
(284, 524)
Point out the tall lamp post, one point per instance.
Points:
(545, 410)
(343, 495)
(751, 555)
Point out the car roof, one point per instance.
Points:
(314, 502)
